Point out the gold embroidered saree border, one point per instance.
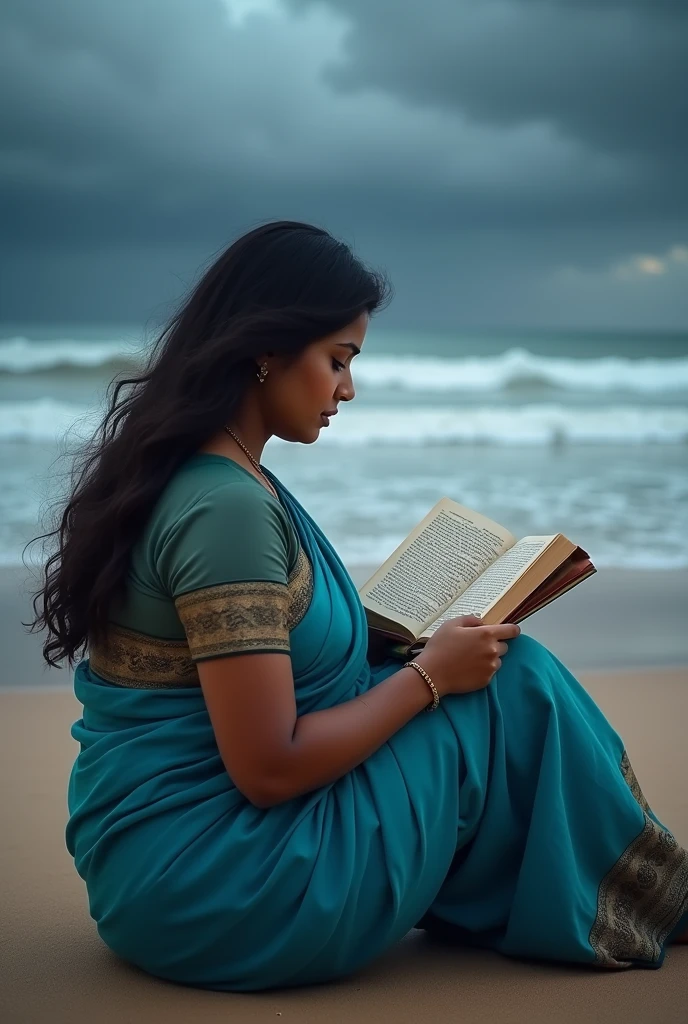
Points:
(632, 782)
(644, 896)
(230, 618)
(300, 586)
(146, 662)
(234, 617)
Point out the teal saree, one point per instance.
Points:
(510, 817)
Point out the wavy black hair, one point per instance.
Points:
(278, 288)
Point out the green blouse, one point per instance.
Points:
(217, 571)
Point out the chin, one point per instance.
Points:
(302, 435)
(308, 433)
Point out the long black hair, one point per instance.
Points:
(278, 288)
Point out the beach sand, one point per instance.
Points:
(55, 969)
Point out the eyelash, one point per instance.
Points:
(337, 365)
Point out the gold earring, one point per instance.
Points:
(263, 373)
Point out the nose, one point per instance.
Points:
(346, 390)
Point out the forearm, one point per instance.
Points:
(328, 744)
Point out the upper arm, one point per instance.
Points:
(225, 562)
(251, 703)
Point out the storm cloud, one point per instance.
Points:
(513, 161)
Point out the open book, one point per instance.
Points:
(458, 562)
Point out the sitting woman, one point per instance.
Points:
(258, 801)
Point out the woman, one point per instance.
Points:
(254, 804)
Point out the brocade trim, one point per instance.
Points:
(633, 784)
(233, 618)
(300, 586)
(129, 658)
(644, 895)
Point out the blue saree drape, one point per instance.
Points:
(510, 816)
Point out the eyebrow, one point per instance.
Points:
(349, 344)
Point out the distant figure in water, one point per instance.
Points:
(261, 797)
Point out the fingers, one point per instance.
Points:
(503, 631)
(501, 649)
(506, 631)
(467, 620)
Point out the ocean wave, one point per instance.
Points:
(519, 369)
(525, 425)
(514, 370)
(19, 355)
(45, 420)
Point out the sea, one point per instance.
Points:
(583, 433)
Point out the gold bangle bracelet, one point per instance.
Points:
(428, 680)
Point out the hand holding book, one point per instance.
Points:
(457, 562)
(463, 655)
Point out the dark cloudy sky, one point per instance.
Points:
(509, 162)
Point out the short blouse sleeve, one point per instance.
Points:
(225, 563)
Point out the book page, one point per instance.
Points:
(495, 581)
(442, 556)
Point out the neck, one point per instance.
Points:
(249, 427)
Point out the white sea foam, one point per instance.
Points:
(518, 368)
(513, 370)
(45, 420)
(19, 355)
(524, 425)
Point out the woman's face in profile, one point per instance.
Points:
(314, 384)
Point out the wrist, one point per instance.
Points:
(429, 664)
(425, 676)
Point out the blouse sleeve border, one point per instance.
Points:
(235, 618)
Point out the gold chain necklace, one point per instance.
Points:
(254, 462)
